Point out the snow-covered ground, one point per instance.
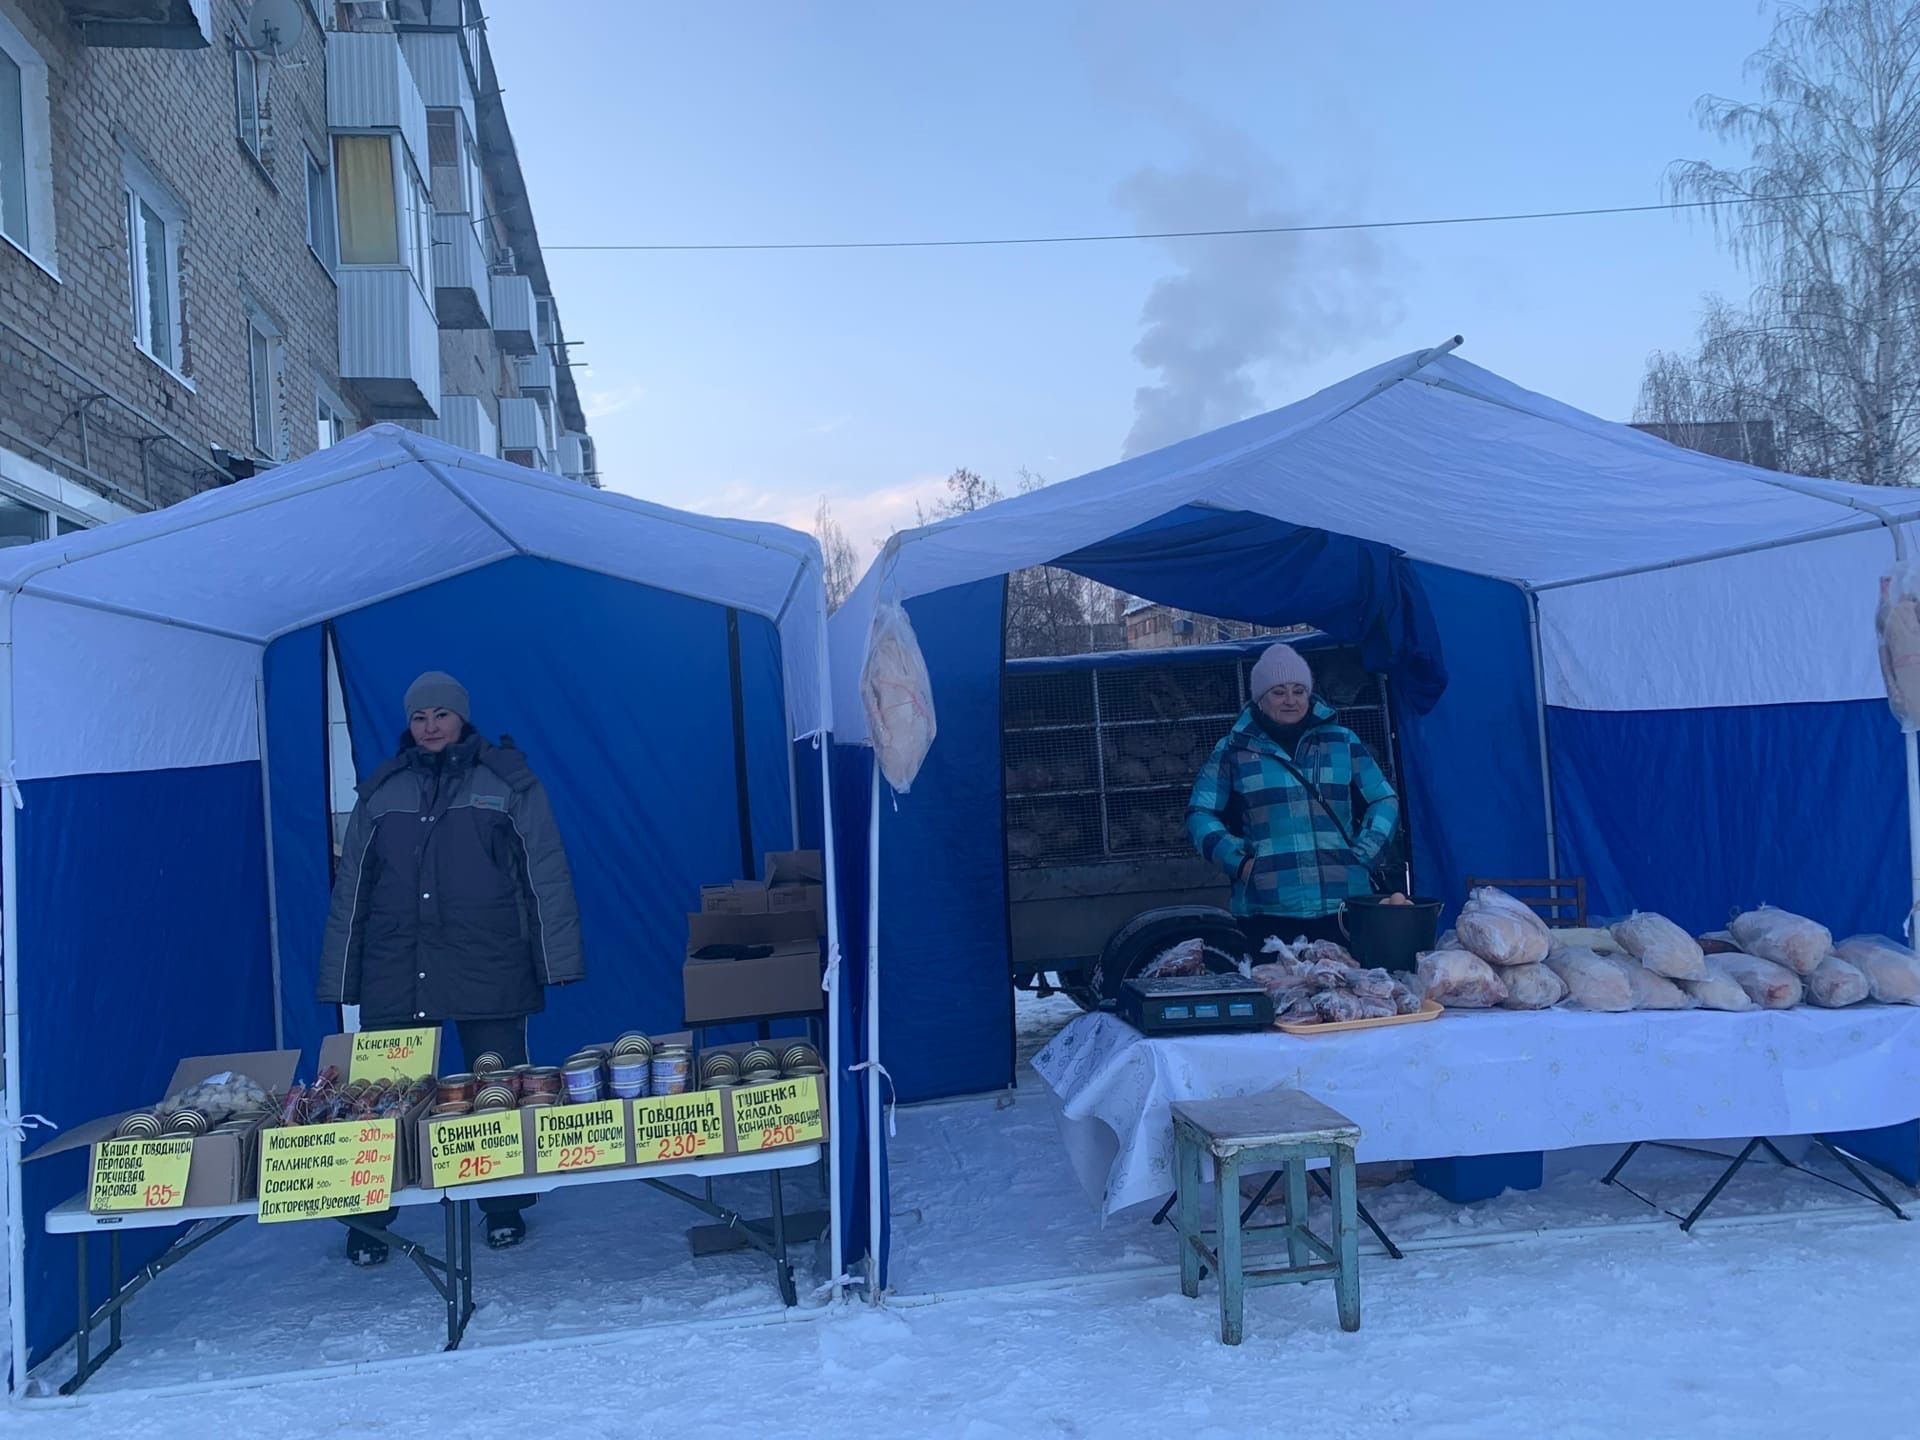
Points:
(1575, 1309)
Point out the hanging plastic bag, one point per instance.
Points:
(1897, 623)
(897, 693)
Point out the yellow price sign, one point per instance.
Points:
(316, 1172)
(679, 1127)
(470, 1148)
(391, 1054)
(579, 1137)
(140, 1174)
(769, 1117)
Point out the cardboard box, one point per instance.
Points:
(742, 897)
(777, 1116)
(337, 1050)
(220, 1172)
(809, 900)
(796, 867)
(784, 982)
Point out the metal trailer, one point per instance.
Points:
(1100, 753)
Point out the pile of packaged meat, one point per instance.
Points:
(1502, 954)
(1319, 983)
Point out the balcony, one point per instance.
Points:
(143, 24)
(534, 373)
(462, 289)
(513, 314)
(574, 461)
(389, 344)
(523, 428)
(440, 70)
(371, 88)
(463, 421)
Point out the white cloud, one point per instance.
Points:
(599, 403)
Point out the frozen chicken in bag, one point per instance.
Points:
(1502, 931)
(897, 694)
(1662, 946)
(1460, 980)
(1897, 623)
(1594, 982)
(1892, 970)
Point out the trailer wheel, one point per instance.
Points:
(1134, 945)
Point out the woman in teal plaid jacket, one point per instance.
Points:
(1275, 808)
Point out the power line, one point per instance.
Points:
(1331, 227)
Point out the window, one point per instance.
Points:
(265, 353)
(320, 236)
(363, 182)
(155, 224)
(330, 418)
(20, 523)
(420, 231)
(249, 81)
(26, 147)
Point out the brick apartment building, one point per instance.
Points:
(235, 231)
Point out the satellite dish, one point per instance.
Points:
(274, 24)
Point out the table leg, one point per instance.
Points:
(782, 1266)
(1721, 1183)
(1346, 1238)
(1233, 1279)
(83, 1332)
(1297, 1252)
(466, 1263)
(451, 1240)
(113, 1292)
(1186, 1219)
(1620, 1164)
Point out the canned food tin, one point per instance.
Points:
(721, 1082)
(542, 1081)
(759, 1077)
(800, 1055)
(583, 1057)
(630, 1070)
(538, 1102)
(457, 1087)
(495, 1097)
(487, 1062)
(141, 1125)
(672, 1070)
(186, 1121)
(627, 1089)
(452, 1107)
(582, 1080)
(795, 1072)
(633, 1042)
(759, 1058)
(720, 1064)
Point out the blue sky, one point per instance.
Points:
(752, 384)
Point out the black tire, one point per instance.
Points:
(1134, 945)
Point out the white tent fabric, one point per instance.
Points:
(1666, 579)
(385, 512)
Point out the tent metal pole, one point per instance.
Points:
(837, 1059)
(1540, 718)
(1731, 552)
(273, 878)
(11, 1120)
(876, 1120)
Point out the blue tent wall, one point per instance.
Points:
(852, 802)
(1470, 767)
(302, 828)
(143, 939)
(619, 695)
(1690, 812)
(946, 995)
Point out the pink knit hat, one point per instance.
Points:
(1279, 665)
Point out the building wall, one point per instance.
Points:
(244, 235)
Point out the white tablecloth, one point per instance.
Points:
(1492, 1082)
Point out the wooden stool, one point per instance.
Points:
(1280, 1130)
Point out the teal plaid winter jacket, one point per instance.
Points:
(1246, 802)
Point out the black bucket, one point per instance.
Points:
(1391, 937)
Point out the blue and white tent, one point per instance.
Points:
(164, 733)
(1610, 657)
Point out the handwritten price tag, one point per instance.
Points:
(770, 1117)
(388, 1054)
(579, 1137)
(470, 1148)
(678, 1127)
(314, 1172)
(140, 1174)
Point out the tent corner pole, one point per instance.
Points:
(838, 1059)
(11, 1117)
(1540, 720)
(875, 1114)
(273, 879)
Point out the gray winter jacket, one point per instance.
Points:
(453, 899)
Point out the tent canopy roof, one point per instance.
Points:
(1436, 457)
(389, 511)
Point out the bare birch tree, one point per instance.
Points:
(842, 563)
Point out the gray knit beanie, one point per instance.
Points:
(1279, 665)
(437, 690)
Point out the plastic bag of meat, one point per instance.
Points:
(1651, 991)
(1781, 936)
(1189, 957)
(1502, 931)
(1598, 939)
(1719, 990)
(1532, 987)
(1594, 982)
(1273, 945)
(1718, 942)
(1371, 984)
(1405, 1000)
(1335, 1006)
(1460, 980)
(1330, 950)
(1892, 970)
(1773, 986)
(1662, 946)
(1836, 983)
(1897, 623)
(897, 694)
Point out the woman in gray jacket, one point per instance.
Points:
(453, 901)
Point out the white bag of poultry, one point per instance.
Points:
(897, 694)
(1719, 990)
(1532, 987)
(1460, 980)
(1892, 970)
(1594, 982)
(1662, 946)
(1836, 983)
(1502, 931)
(1897, 623)
(1773, 986)
(1650, 991)
(1781, 936)
(1597, 938)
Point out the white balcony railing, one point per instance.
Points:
(389, 343)
(464, 421)
(370, 87)
(462, 289)
(513, 313)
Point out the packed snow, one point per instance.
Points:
(1577, 1309)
